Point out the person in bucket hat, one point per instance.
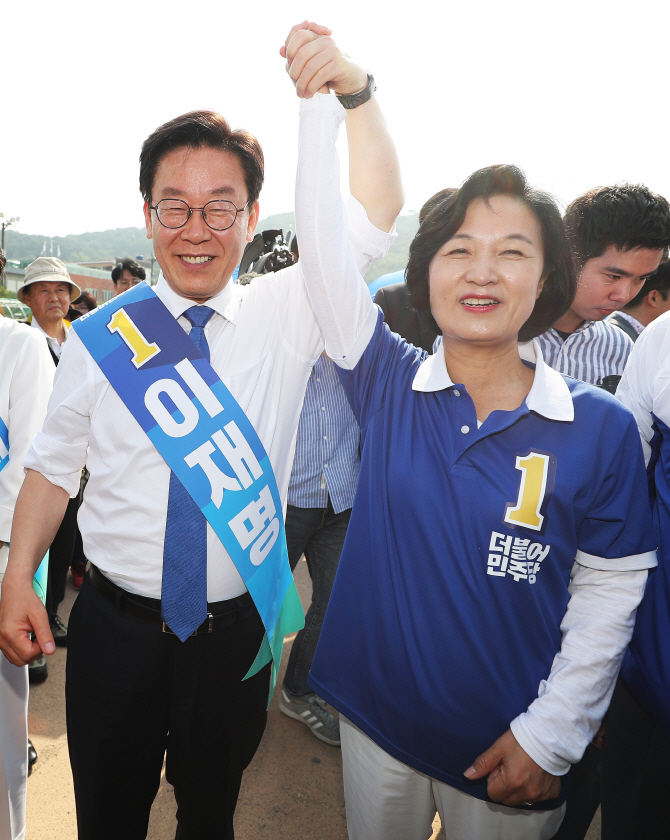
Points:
(48, 289)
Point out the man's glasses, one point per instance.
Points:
(218, 215)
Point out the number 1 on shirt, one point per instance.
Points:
(534, 470)
(122, 323)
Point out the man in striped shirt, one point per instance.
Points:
(619, 235)
(320, 497)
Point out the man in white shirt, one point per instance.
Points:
(134, 691)
(48, 290)
(26, 377)
(619, 236)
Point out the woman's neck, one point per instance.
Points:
(495, 378)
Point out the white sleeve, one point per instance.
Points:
(368, 243)
(338, 294)
(645, 384)
(29, 389)
(571, 703)
(59, 450)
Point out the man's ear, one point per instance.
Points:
(652, 298)
(253, 221)
(148, 220)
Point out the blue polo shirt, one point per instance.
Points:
(446, 610)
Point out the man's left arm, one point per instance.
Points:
(315, 64)
(330, 266)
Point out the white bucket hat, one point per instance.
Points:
(47, 270)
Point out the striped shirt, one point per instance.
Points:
(594, 350)
(327, 456)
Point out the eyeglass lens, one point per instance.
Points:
(174, 213)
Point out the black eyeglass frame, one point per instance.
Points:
(203, 210)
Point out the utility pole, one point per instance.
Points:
(11, 222)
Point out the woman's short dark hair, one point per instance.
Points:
(89, 300)
(128, 265)
(199, 129)
(447, 216)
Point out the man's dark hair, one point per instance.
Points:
(626, 216)
(447, 216)
(199, 129)
(660, 281)
(128, 265)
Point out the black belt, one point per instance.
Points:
(226, 612)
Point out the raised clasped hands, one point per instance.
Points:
(316, 65)
(513, 777)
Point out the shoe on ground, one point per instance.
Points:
(311, 710)
(32, 756)
(78, 570)
(59, 631)
(37, 670)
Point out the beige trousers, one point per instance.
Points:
(13, 745)
(387, 800)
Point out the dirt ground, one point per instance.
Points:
(292, 789)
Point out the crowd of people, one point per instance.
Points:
(473, 466)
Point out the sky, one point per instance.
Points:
(575, 93)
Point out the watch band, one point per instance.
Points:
(353, 100)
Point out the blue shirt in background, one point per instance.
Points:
(327, 452)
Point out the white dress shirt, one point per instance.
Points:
(56, 346)
(264, 340)
(26, 377)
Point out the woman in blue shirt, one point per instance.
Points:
(499, 541)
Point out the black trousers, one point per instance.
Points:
(60, 557)
(135, 694)
(635, 773)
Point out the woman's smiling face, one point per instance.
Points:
(485, 280)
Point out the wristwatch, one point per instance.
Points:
(353, 100)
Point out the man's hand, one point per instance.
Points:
(316, 65)
(22, 613)
(513, 777)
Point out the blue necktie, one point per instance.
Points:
(184, 593)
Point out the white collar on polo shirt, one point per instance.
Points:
(548, 396)
(226, 303)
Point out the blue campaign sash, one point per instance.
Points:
(4, 445)
(204, 436)
(40, 579)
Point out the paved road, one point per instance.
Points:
(292, 789)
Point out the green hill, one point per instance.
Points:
(124, 242)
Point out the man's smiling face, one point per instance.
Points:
(197, 261)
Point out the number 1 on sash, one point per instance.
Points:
(123, 324)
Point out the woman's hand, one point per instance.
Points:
(513, 777)
(316, 65)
